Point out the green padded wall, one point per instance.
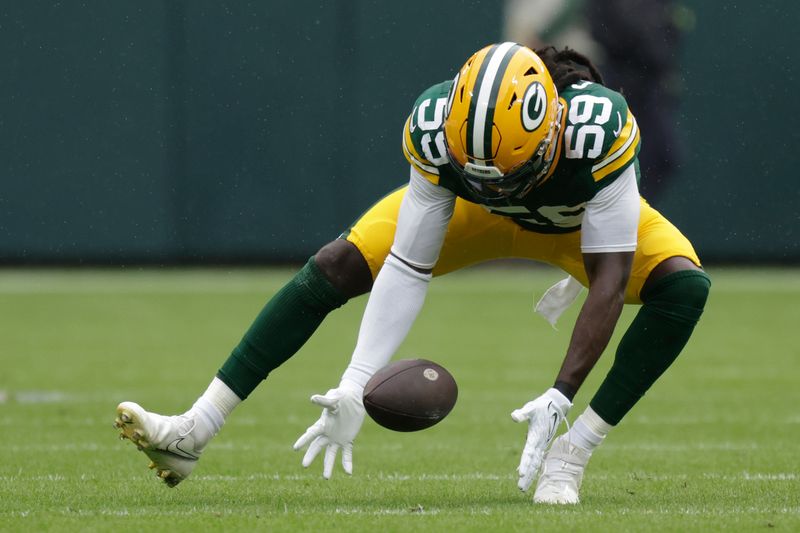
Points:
(200, 131)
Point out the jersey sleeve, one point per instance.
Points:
(611, 220)
(622, 140)
(423, 133)
(422, 222)
(600, 131)
(418, 161)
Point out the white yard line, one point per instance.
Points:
(234, 447)
(149, 281)
(473, 476)
(696, 446)
(535, 278)
(724, 511)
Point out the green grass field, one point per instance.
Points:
(712, 447)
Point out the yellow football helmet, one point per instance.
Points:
(501, 122)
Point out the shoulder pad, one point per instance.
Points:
(423, 134)
(600, 128)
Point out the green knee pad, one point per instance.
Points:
(681, 295)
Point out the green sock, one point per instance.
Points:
(671, 309)
(281, 329)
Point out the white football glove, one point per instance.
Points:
(342, 416)
(544, 415)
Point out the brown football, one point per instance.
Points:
(410, 395)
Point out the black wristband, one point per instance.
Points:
(566, 389)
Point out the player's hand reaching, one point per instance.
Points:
(544, 415)
(342, 416)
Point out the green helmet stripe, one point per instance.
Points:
(489, 129)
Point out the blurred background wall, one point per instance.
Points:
(206, 131)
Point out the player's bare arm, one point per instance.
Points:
(608, 276)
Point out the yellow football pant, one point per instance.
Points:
(474, 235)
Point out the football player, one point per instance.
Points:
(523, 154)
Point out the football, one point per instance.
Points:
(410, 395)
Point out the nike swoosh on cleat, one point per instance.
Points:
(174, 447)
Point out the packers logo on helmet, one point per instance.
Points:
(534, 106)
(501, 121)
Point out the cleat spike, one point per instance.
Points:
(164, 474)
(152, 465)
(122, 436)
(137, 435)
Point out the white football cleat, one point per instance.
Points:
(173, 443)
(562, 473)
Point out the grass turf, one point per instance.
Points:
(712, 447)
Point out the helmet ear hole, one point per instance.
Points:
(513, 99)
